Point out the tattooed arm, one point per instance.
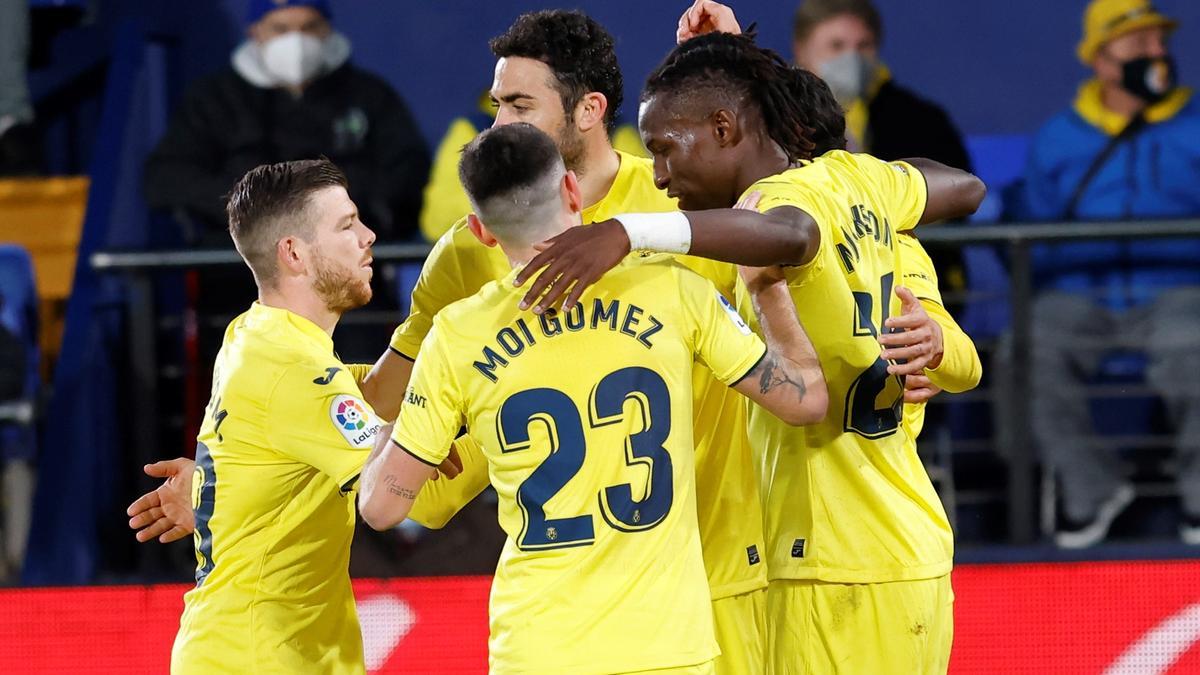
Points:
(788, 380)
(391, 480)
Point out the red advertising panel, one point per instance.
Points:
(1083, 618)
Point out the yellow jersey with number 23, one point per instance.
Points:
(731, 530)
(585, 418)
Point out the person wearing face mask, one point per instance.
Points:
(290, 92)
(839, 40)
(1126, 149)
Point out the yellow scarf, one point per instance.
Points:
(1091, 108)
(857, 116)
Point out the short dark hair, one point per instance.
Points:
(506, 158)
(797, 107)
(268, 203)
(813, 12)
(506, 172)
(577, 50)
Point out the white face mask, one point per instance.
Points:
(848, 76)
(293, 58)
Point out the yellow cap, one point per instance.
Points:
(1106, 19)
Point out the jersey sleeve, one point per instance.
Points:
(326, 426)
(721, 339)
(902, 188)
(440, 499)
(960, 369)
(432, 413)
(439, 285)
(776, 193)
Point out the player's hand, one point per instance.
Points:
(919, 342)
(758, 279)
(451, 466)
(706, 16)
(572, 260)
(919, 389)
(165, 513)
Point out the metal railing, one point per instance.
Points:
(1013, 385)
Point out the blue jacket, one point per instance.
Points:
(1154, 175)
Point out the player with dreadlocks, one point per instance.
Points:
(859, 549)
(924, 328)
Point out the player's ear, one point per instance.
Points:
(589, 112)
(725, 128)
(572, 193)
(290, 255)
(480, 230)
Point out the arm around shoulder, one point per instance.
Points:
(952, 193)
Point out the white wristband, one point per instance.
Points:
(659, 232)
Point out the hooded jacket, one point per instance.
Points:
(1155, 174)
(234, 120)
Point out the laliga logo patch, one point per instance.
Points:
(350, 415)
(352, 420)
(733, 315)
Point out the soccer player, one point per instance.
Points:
(923, 340)
(859, 547)
(585, 420)
(283, 440)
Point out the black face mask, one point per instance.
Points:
(1149, 78)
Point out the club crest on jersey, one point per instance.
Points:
(733, 315)
(353, 421)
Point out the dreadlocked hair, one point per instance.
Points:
(786, 97)
(822, 114)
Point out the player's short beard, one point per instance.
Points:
(571, 147)
(340, 288)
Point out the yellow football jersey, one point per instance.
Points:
(731, 528)
(585, 419)
(960, 368)
(847, 500)
(278, 456)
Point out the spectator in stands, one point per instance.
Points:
(290, 93)
(1127, 148)
(839, 40)
(20, 151)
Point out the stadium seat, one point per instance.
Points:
(45, 216)
(19, 316)
(19, 309)
(999, 160)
